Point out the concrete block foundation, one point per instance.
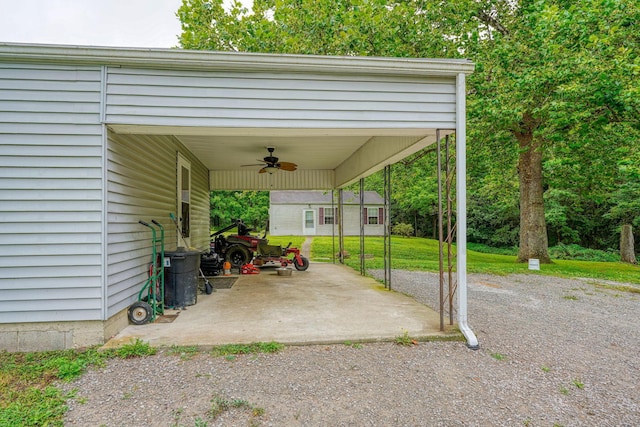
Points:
(27, 337)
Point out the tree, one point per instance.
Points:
(627, 251)
(626, 208)
(555, 80)
(565, 73)
(250, 206)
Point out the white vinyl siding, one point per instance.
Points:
(286, 219)
(277, 100)
(50, 193)
(142, 185)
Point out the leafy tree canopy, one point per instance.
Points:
(250, 206)
(555, 94)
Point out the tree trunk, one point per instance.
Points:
(534, 242)
(627, 250)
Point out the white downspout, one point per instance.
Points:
(104, 217)
(461, 214)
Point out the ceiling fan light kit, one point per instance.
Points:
(270, 164)
(269, 169)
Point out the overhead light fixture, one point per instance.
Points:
(270, 169)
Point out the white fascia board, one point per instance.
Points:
(210, 60)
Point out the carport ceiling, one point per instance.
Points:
(346, 154)
(233, 151)
(309, 149)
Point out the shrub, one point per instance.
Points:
(577, 252)
(403, 229)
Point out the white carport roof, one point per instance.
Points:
(346, 151)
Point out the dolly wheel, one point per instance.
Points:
(139, 312)
(304, 266)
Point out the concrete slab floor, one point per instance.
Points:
(328, 303)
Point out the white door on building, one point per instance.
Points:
(308, 222)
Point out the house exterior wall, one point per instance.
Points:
(277, 100)
(287, 219)
(59, 288)
(142, 185)
(50, 193)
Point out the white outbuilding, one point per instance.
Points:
(315, 213)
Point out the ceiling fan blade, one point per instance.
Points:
(287, 166)
(263, 170)
(255, 164)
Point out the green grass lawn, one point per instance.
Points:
(28, 394)
(296, 241)
(422, 254)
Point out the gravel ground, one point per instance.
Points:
(552, 352)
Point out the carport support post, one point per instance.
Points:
(450, 226)
(461, 218)
(333, 226)
(340, 228)
(362, 214)
(440, 230)
(387, 227)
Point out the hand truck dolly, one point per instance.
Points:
(150, 302)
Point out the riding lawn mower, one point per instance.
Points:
(240, 249)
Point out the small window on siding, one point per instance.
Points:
(372, 216)
(329, 215)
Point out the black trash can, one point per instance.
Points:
(181, 278)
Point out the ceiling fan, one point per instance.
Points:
(270, 163)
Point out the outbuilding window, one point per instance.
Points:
(373, 216)
(328, 215)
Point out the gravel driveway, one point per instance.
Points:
(552, 352)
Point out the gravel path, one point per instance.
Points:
(553, 352)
